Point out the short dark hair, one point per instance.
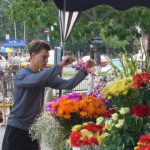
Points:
(37, 46)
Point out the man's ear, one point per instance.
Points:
(32, 55)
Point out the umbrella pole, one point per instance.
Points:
(62, 30)
(62, 54)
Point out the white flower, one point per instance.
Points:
(99, 120)
(49, 129)
(120, 123)
(114, 116)
(124, 110)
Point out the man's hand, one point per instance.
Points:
(90, 63)
(66, 61)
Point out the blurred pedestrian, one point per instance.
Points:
(15, 63)
(2, 57)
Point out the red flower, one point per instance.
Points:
(108, 113)
(143, 148)
(137, 84)
(90, 141)
(140, 110)
(93, 127)
(145, 77)
(75, 139)
(144, 142)
(138, 79)
(145, 139)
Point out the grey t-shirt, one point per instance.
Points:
(29, 93)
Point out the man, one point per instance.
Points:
(30, 83)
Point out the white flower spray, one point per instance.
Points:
(48, 131)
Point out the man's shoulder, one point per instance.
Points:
(22, 73)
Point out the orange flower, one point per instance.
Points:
(86, 107)
(67, 116)
(83, 114)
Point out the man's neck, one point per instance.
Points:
(33, 67)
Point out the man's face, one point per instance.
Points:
(40, 59)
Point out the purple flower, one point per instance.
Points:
(49, 104)
(100, 84)
(74, 96)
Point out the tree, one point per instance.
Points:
(36, 16)
(113, 24)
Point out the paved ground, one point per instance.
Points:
(2, 130)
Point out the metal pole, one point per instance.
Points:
(15, 30)
(24, 31)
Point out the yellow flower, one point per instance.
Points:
(101, 138)
(108, 126)
(85, 123)
(118, 87)
(124, 110)
(120, 123)
(125, 92)
(76, 128)
(99, 120)
(86, 134)
(114, 116)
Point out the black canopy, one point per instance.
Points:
(82, 5)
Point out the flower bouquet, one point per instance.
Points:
(129, 97)
(125, 126)
(128, 91)
(87, 136)
(74, 108)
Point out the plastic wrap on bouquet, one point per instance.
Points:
(87, 147)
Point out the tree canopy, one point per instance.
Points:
(117, 28)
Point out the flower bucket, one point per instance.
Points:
(87, 147)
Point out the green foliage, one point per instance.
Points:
(129, 65)
(34, 13)
(114, 42)
(124, 23)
